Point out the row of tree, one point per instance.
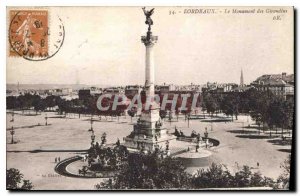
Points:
(89, 105)
(264, 107)
(29, 101)
(86, 106)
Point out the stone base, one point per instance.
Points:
(149, 144)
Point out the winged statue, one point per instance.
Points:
(148, 14)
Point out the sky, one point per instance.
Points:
(102, 46)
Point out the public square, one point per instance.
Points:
(37, 147)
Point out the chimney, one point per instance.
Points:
(283, 75)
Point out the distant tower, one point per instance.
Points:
(242, 79)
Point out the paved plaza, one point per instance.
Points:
(37, 146)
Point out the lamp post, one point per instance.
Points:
(167, 148)
(167, 145)
(12, 132)
(259, 122)
(93, 137)
(103, 138)
(170, 117)
(91, 121)
(248, 121)
(46, 123)
(12, 117)
(197, 147)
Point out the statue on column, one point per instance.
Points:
(148, 14)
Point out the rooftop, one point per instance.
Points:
(275, 79)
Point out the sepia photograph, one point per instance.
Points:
(150, 98)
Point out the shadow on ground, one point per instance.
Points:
(285, 150)
(29, 126)
(30, 114)
(63, 117)
(251, 127)
(281, 142)
(242, 131)
(255, 136)
(217, 120)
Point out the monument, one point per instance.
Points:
(148, 133)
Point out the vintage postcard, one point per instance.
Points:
(150, 98)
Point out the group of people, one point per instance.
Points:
(207, 144)
(178, 133)
(84, 157)
(57, 159)
(196, 135)
(193, 134)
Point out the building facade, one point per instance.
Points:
(279, 84)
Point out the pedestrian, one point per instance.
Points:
(237, 165)
(257, 164)
(55, 159)
(181, 134)
(198, 137)
(58, 159)
(118, 142)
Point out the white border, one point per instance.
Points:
(3, 34)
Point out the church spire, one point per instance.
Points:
(242, 79)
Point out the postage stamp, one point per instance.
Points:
(29, 35)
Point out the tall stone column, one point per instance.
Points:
(149, 42)
(150, 117)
